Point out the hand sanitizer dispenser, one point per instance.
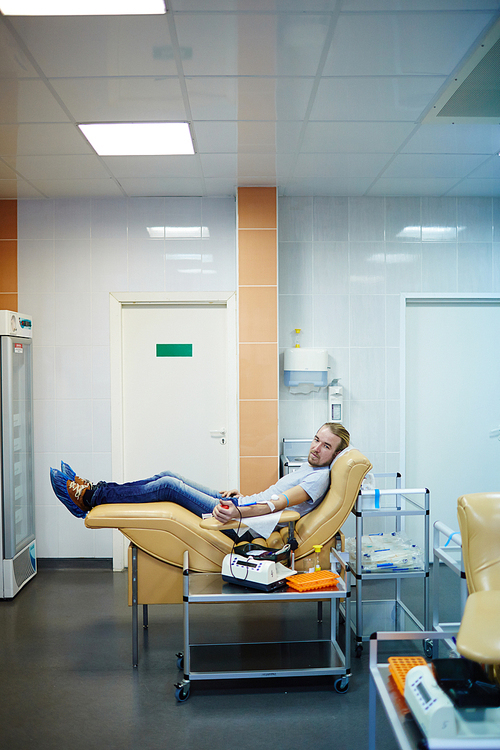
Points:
(305, 369)
(335, 402)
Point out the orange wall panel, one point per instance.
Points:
(257, 263)
(258, 428)
(8, 255)
(257, 474)
(8, 301)
(257, 208)
(258, 378)
(258, 338)
(8, 220)
(258, 313)
(8, 266)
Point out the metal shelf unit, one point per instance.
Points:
(222, 661)
(447, 549)
(389, 614)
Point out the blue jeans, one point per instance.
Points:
(166, 486)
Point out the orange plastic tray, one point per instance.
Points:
(320, 579)
(399, 666)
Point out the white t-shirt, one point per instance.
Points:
(315, 480)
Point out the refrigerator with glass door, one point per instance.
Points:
(17, 503)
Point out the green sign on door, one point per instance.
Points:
(174, 350)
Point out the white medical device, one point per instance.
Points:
(264, 575)
(431, 708)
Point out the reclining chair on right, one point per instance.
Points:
(479, 634)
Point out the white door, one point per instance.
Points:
(175, 406)
(452, 400)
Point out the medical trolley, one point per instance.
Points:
(232, 661)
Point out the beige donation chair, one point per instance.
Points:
(479, 634)
(159, 533)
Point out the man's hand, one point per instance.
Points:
(231, 493)
(225, 511)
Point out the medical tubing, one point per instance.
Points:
(234, 545)
(287, 500)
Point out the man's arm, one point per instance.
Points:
(295, 495)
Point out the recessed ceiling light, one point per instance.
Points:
(82, 7)
(139, 138)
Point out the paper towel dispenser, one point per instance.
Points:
(306, 366)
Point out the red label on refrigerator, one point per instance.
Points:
(18, 348)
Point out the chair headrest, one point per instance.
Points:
(342, 453)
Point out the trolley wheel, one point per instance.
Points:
(180, 660)
(428, 648)
(359, 650)
(182, 691)
(341, 685)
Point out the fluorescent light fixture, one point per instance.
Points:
(139, 138)
(82, 7)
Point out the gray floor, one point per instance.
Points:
(67, 679)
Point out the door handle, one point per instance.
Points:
(217, 433)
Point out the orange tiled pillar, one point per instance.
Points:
(8, 255)
(258, 338)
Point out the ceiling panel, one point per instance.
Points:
(56, 167)
(329, 185)
(402, 43)
(257, 44)
(455, 166)
(20, 189)
(432, 186)
(98, 45)
(318, 98)
(62, 188)
(361, 137)
(420, 5)
(158, 186)
(29, 100)
(249, 98)
(44, 138)
(121, 99)
(473, 187)
(6, 171)
(385, 98)
(355, 165)
(152, 166)
(296, 6)
(489, 169)
(454, 139)
(14, 63)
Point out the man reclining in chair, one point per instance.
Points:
(303, 489)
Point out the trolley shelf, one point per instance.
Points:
(246, 660)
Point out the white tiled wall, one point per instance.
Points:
(343, 263)
(72, 254)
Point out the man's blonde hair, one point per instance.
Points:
(340, 431)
